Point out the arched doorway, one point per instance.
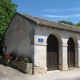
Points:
(52, 53)
(71, 53)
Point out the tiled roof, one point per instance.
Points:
(53, 24)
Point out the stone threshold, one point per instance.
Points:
(72, 68)
(53, 71)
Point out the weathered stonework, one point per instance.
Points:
(63, 67)
(40, 70)
(23, 35)
(77, 65)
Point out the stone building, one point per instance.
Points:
(50, 45)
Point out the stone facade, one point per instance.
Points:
(19, 36)
(62, 36)
(22, 37)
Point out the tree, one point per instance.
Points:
(70, 23)
(78, 24)
(7, 10)
(66, 22)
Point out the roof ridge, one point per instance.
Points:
(48, 20)
(50, 23)
(37, 17)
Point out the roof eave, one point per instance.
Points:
(30, 20)
(59, 28)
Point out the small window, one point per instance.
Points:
(4, 48)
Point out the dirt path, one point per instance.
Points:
(8, 73)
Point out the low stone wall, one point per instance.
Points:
(4, 61)
(24, 67)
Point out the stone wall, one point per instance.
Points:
(40, 48)
(19, 37)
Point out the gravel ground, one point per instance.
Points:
(8, 73)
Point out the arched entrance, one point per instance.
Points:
(52, 53)
(71, 53)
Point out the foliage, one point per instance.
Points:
(70, 23)
(78, 24)
(8, 56)
(16, 58)
(7, 10)
(66, 22)
(22, 59)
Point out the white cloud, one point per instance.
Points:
(51, 10)
(61, 10)
(74, 9)
(76, 21)
(62, 16)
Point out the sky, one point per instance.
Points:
(54, 10)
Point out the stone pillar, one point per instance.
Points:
(76, 56)
(63, 59)
(63, 65)
(60, 57)
(40, 59)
